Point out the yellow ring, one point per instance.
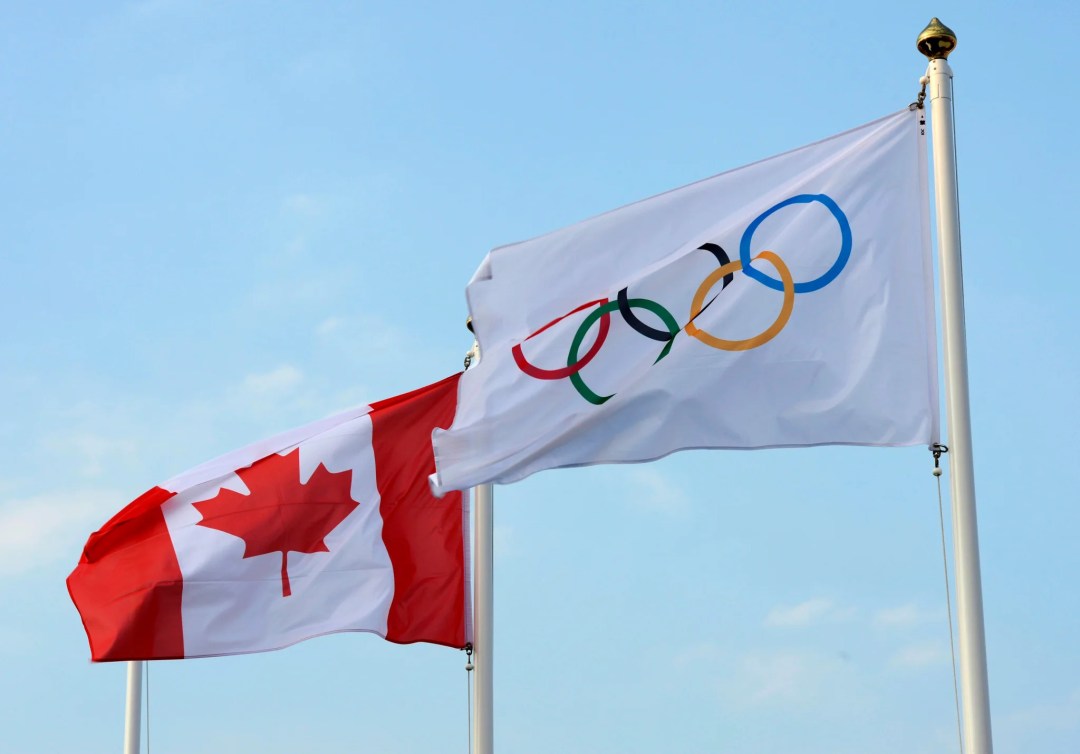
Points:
(774, 329)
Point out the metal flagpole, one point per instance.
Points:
(483, 621)
(483, 603)
(936, 42)
(133, 710)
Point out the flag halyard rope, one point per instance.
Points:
(937, 449)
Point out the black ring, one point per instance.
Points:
(663, 335)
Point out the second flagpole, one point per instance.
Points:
(936, 42)
(483, 620)
(483, 567)
(133, 708)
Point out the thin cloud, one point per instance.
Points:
(811, 612)
(328, 326)
(791, 679)
(311, 291)
(322, 68)
(1054, 715)
(698, 654)
(781, 676)
(902, 616)
(380, 338)
(919, 656)
(304, 205)
(503, 540)
(283, 391)
(654, 491)
(37, 531)
(91, 453)
(282, 379)
(152, 8)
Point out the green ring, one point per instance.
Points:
(589, 321)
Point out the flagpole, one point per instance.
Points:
(483, 602)
(483, 621)
(133, 709)
(936, 42)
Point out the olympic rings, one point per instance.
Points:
(764, 337)
(651, 332)
(571, 368)
(603, 311)
(811, 285)
(724, 274)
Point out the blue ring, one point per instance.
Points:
(810, 285)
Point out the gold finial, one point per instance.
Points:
(468, 323)
(937, 40)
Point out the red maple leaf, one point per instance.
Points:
(279, 514)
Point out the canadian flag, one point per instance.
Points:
(329, 527)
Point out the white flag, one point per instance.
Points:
(785, 303)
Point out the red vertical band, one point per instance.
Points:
(128, 586)
(423, 534)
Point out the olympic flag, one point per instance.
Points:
(785, 303)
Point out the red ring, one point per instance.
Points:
(558, 374)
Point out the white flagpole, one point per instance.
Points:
(133, 710)
(483, 621)
(483, 722)
(936, 42)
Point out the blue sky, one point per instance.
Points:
(221, 220)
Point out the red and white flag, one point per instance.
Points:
(326, 528)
